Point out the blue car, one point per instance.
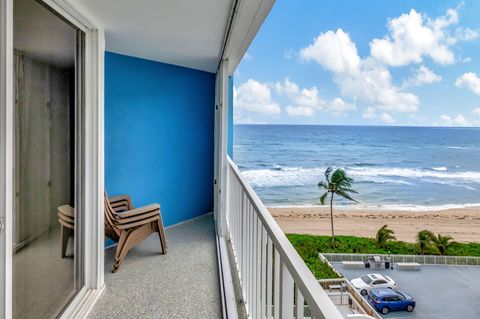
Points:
(385, 300)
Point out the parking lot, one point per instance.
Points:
(446, 292)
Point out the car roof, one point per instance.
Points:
(384, 292)
(377, 276)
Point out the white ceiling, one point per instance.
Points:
(42, 35)
(182, 32)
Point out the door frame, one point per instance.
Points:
(93, 171)
(220, 148)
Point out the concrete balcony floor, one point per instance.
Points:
(182, 284)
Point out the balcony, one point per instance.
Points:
(181, 284)
(268, 279)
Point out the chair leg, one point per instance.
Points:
(128, 241)
(161, 235)
(118, 252)
(64, 236)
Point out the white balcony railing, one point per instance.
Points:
(273, 277)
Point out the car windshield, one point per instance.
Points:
(367, 279)
(401, 296)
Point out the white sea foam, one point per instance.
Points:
(467, 176)
(409, 208)
(462, 148)
(440, 168)
(297, 176)
(422, 208)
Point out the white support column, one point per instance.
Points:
(94, 160)
(6, 156)
(221, 129)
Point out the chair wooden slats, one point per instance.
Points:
(129, 226)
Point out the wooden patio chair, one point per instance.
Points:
(129, 226)
(66, 218)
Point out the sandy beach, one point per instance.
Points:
(463, 224)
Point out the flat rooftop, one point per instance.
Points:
(447, 292)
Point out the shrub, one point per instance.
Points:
(308, 247)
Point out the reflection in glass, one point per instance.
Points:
(44, 261)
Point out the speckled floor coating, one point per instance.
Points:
(182, 284)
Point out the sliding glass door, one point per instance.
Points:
(47, 215)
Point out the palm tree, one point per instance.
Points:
(384, 234)
(336, 183)
(424, 240)
(442, 243)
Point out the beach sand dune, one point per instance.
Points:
(463, 224)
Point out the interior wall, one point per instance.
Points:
(159, 135)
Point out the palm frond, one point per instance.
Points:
(345, 195)
(327, 174)
(323, 185)
(349, 190)
(384, 234)
(323, 197)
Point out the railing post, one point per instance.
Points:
(269, 277)
(270, 268)
(286, 294)
(299, 303)
(276, 285)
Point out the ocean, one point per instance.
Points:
(393, 167)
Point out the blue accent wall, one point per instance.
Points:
(230, 118)
(159, 126)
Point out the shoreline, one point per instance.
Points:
(387, 208)
(463, 224)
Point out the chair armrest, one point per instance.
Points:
(139, 211)
(120, 202)
(66, 210)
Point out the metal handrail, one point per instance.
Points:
(320, 304)
(357, 298)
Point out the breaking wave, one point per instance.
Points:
(297, 176)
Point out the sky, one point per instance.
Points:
(412, 63)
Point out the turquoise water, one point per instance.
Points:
(398, 167)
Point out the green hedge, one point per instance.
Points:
(308, 247)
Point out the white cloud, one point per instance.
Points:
(256, 97)
(469, 81)
(387, 119)
(245, 120)
(361, 80)
(422, 75)
(373, 85)
(467, 60)
(300, 111)
(460, 120)
(334, 51)
(369, 113)
(413, 36)
(446, 120)
(303, 102)
(467, 34)
(338, 106)
(476, 111)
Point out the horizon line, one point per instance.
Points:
(361, 125)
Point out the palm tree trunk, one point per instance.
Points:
(331, 220)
